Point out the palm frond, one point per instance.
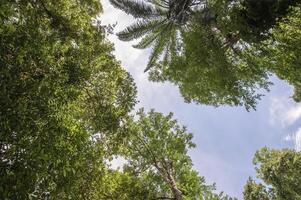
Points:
(146, 41)
(139, 29)
(159, 46)
(167, 55)
(173, 44)
(160, 3)
(157, 50)
(136, 8)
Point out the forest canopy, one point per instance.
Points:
(67, 105)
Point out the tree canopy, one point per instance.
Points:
(156, 152)
(59, 86)
(219, 52)
(66, 103)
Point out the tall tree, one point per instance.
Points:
(160, 25)
(60, 85)
(157, 153)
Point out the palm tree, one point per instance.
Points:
(160, 24)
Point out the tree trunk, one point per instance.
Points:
(176, 192)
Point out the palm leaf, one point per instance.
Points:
(139, 29)
(136, 8)
(146, 41)
(159, 47)
(151, 37)
(167, 54)
(173, 43)
(171, 48)
(160, 4)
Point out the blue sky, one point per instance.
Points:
(226, 137)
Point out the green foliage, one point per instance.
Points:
(211, 73)
(65, 100)
(262, 15)
(280, 170)
(59, 86)
(218, 52)
(281, 54)
(254, 191)
(64, 113)
(123, 185)
(156, 151)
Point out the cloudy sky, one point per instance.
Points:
(226, 137)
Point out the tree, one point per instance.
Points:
(64, 113)
(220, 56)
(160, 25)
(212, 73)
(156, 152)
(227, 61)
(280, 171)
(60, 85)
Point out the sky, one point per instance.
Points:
(226, 137)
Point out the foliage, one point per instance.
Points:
(156, 152)
(280, 170)
(256, 18)
(210, 72)
(65, 100)
(123, 185)
(281, 53)
(223, 52)
(59, 86)
(64, 113)
(254, 191)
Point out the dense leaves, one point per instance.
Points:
(280, 170)
(281, 54)
(64, 114)
(65, 100)
(211, 73)
(254, 191)
(218, 52)
(59, 86)
(260, 16)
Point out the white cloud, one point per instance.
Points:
(297, 140)
(288, 138)
(284, 111)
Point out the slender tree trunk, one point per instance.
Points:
(176, 192)
(169, 179)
